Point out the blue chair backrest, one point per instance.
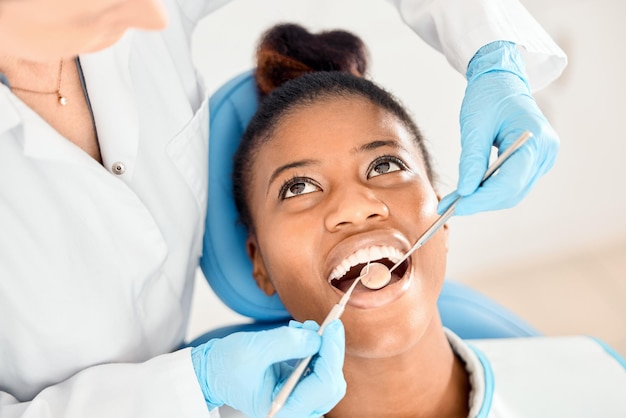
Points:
(228, 270)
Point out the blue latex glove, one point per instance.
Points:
(497, 108)
(246, 370)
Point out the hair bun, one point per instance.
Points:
(287, 51)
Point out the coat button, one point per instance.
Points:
(118, 168)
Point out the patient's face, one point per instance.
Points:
(339, 184)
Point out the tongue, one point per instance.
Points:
(343, 285)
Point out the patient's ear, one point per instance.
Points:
(259, 271)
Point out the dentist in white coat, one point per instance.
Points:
(103, 186)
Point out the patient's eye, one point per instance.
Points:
(298, 186)
(384, 165)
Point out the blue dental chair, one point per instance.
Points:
(228, 270)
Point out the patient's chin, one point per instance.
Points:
(378, 344)
(387, 338)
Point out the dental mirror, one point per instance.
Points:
(375, 276)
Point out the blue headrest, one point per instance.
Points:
(224, 261)
(470, 314)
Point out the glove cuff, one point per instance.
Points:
(199, 357)
(497, 56)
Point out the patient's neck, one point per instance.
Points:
(426, 381)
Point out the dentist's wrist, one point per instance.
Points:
(497, 56)
(199, 356)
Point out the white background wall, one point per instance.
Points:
(528, 257)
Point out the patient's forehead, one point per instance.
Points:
(332, 134)
(336, 124)
(341, 118)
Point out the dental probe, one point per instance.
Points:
(297, 373)
(521, 140)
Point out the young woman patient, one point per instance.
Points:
(332, 173)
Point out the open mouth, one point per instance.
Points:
(345, 280)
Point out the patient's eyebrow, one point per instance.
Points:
(379, 144)
(294, 164)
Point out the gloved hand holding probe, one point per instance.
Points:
(497, 108)
(246, 370)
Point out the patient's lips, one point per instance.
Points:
(385, 290)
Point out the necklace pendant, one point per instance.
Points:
(62, 99)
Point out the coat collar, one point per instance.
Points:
(480, 375)
(9, 117)
(109, 85)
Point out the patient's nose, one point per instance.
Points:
(354, 206)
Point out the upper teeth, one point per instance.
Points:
(365, 255)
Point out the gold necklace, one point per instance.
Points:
(60, 97)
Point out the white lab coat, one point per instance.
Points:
(97, 268)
